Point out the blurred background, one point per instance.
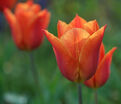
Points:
(16, 81)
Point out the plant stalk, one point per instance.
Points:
(96, 97)
(34, 70)
(80, 93)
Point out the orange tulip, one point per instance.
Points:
(77, 48)
(27, 24)
(103, 70)
(7, 4)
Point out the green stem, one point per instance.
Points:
(34, 70)
(96, 97)
(80, 93)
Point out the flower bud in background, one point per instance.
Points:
(76, 49)
(103, 70)
(26, 24)
(7, 4)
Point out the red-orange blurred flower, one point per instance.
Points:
(26, 24)
(77, 48)
(7, 4)
(103, 69)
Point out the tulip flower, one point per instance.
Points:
(77, 48)
(27, 24)
(7, 4)
(103, 69)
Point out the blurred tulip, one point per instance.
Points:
(77, 48)
(7, 4)
(26, 24)
(103, 69)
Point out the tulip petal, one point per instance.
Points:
(7, 4)
(23, 10)
(103, 70)
(29, 2)
(102, 73)
(91, 83)
(35, 33)
(89, 55)
(77, 22)
(91, 26)
(62, 28)
(16, 32)
(66, 63)
(22, 7)
(73, 40)
(44, 17)
(102, 52)
(35, 8)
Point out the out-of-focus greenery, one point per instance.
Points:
(16, 76)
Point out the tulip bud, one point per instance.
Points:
(26, 24)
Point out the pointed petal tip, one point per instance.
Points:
(49, 35)
(44, 31)
(95, 21)
(10, 17)
(113, 50)
(108, 56)
(59, 21)
(46, 11)
(103, 29)
(105, 26)
(30, 2)
(76, 15)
